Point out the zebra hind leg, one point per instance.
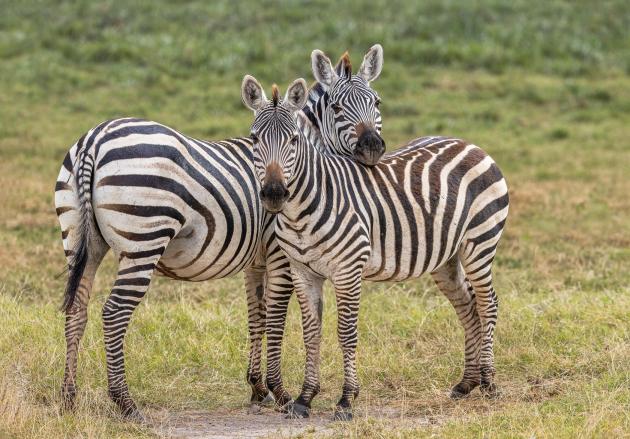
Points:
(132, 282)
(256, 317)
(76, 321)
(478, 268)
(452, 282)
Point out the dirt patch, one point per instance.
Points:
(265, 423)
(235, 424)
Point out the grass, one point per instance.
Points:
(542, 86)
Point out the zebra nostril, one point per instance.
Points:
(286, 193)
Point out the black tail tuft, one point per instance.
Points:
(75, 272)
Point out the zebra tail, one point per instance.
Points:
(85, 228)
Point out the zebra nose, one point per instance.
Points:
(270, 192)
(273, 195)
(370, 147)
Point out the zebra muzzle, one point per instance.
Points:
(370, 147)
(273, 196)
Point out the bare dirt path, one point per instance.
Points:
(266, 423)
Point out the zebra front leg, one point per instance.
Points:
(256, 318)
(279, 288)
(348, 293)
(308, 288)
(76, 320)
(452, 282)
(478, 270)
(132, 282)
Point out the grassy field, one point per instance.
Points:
(544, 87)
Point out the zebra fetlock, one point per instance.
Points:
(128, 409)
(280, 395)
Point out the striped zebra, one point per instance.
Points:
(186, 208)
(347, 118)
(175, 206)
(437, 205)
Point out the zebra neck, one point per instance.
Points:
(309, 178)
(311, 132)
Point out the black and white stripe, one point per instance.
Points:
(180, 207)
(162, 201)
(437, 205)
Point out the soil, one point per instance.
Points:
(262, 423)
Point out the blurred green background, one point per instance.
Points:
(543, 86)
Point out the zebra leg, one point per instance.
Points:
(76, 320)
(256, 315)
(134, 276)
(452, 282)
(478, 268)
(308, 288)
(348, 293)
(279, 290)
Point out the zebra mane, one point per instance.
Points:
(344, 66)
(274, 95)
(310, 131)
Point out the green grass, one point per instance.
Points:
(542, 86)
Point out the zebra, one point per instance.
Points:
(347, 118)
(186, 208)
(180, 207)
(437, 205)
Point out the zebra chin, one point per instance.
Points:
(368, 158)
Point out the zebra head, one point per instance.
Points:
(349, 113)
(275, 134)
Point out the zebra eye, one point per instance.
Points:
(336, 108)
(254, 137)
(377, 102)
(294, 140)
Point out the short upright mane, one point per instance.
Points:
(345, 64)
(274, 95)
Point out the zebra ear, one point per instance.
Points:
(372, 63)
(252, 93)
(322, 69)
(297, 94)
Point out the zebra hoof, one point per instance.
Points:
(284, 408)
(68, 400)
(462, 390)
(283, 401)
(297, 411)
(489, 390)
(268, 400)
(343, 414)
(134, 415)
(256, 406)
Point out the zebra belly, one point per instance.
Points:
(382, 269)
(197, 242)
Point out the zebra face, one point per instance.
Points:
(275, 135)
(350, 115)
